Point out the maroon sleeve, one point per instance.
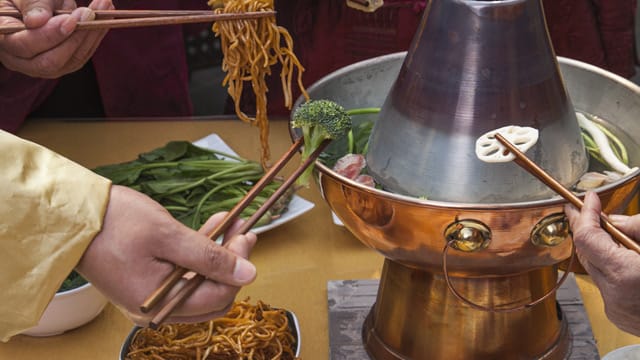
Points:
(599, 32)
(19, 96)
(573, 27)
(143, 71)
(616, 26)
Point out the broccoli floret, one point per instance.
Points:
(319, 120)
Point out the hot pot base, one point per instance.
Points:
(351, 312)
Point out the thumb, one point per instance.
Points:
(36, 13)
(229, 265)
(630, 225)
(592, 242)
(592, 208)
(196, 252)
(239, 245)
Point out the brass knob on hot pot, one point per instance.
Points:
(468, 235)
(553, 230)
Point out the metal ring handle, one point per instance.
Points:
(501, 310)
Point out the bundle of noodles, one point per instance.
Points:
(250, 48)
(246, 332)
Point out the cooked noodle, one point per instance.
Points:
(250, 48)
(246, 332)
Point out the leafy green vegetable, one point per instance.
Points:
(193, 183)
(356, 141)
(74, 280)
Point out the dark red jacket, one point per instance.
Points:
(600, 32)
(142, 71)
(328, 35)
(139, 71)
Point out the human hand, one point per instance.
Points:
(50, 47)
(138, 246)
(614, 269)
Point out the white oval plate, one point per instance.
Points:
(297, 206)
(631, 352)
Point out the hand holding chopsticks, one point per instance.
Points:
(179, 272)
(524, 162)
(52, 48)
(109, 19)
(193, 282)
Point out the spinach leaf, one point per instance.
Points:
(193, 183)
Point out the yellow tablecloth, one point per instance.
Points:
(294, 261)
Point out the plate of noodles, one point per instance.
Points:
(247, 331)
(296, 207)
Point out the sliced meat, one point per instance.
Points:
(591, 180)
(350, 165)
(366, 180)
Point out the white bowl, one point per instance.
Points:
(631, 352)
(69, 310)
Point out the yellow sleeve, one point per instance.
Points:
(50, 210)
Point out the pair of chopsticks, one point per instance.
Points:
(194, 281)
(555, 185)
(109, 19)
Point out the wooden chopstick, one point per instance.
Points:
(172, 279)
(193, 283)
(535, 170)
(118, 14)
(152, 20)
